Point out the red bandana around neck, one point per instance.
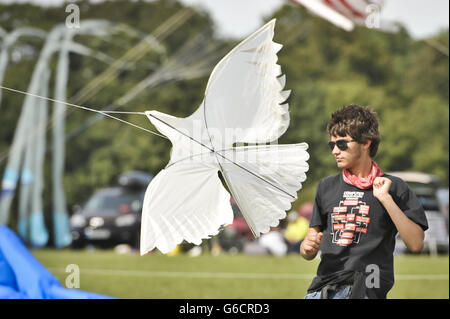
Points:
(362, 182)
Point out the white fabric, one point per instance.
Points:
(264, 195)
(274, 242)
(324, 11)
(186, 200)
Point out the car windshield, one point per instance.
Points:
(429, 202)
(426, 193)
(422, 189)
(113, 203)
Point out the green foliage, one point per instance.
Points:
(404, 80)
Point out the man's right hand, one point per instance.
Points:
(311, 244)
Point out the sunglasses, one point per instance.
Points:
(341, 144)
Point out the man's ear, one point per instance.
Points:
(367, 144)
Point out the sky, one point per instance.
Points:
(239, 18)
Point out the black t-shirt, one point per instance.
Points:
(358, 233)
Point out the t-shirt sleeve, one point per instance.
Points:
(411, 206)
(317, 214)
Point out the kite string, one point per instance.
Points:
(104, 113)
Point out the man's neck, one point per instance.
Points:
(363, 168)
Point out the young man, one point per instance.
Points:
(357, 214)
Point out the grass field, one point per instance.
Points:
(226, 276)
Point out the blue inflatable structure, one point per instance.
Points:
(23, 277)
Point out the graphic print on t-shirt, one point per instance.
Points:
(350, 219)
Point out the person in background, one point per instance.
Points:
(297, 227)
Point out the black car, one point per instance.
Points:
(112, 215)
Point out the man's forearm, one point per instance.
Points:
(411, 233)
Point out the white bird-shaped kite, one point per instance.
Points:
(242, 104)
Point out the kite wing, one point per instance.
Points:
(327, 12)
(346, 13)
(245, 93)
(264, 181)
(185, 201)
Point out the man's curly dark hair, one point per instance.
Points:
(359, 122)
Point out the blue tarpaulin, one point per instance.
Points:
(22, 276)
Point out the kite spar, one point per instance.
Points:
(61, 225)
